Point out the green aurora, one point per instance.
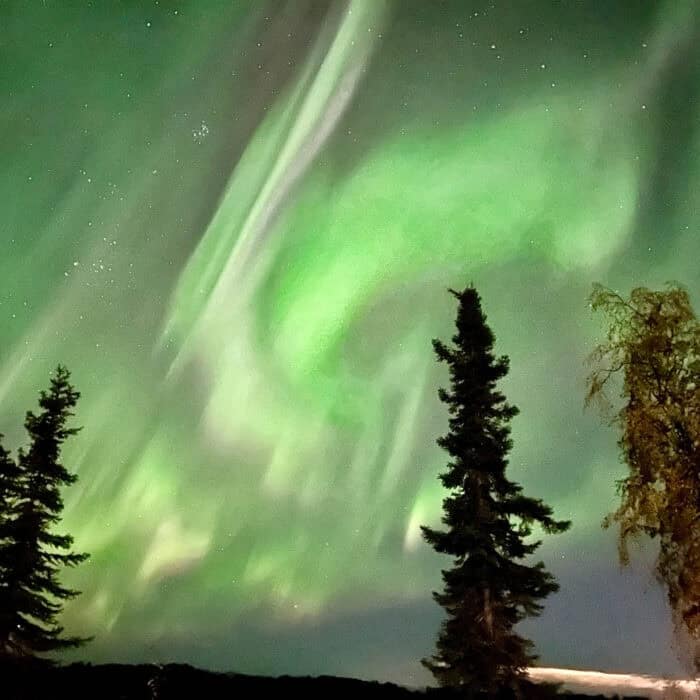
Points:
(235, 222)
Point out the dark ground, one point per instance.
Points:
(148, 682)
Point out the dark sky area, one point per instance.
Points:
(236, 221)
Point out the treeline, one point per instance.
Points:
(652, 350)
(177, 681)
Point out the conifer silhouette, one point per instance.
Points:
(489, 589)
(31, 553)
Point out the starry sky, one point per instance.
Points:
(235, 222)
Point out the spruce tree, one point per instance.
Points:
(489, 588)
(9, 484)
(31, 553)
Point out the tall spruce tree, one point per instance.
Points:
(489, 589)
(31, 554)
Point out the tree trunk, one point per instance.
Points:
(488, 612)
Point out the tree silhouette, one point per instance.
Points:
(653, 345)
(488, 590)
(9, 486)
(31, 554)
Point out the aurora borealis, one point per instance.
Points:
(235, 222)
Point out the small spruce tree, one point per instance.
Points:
(31, 554)
(489, 589)
(9, 474)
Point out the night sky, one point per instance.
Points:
(236, 222)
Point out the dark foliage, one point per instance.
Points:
(488, 519)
